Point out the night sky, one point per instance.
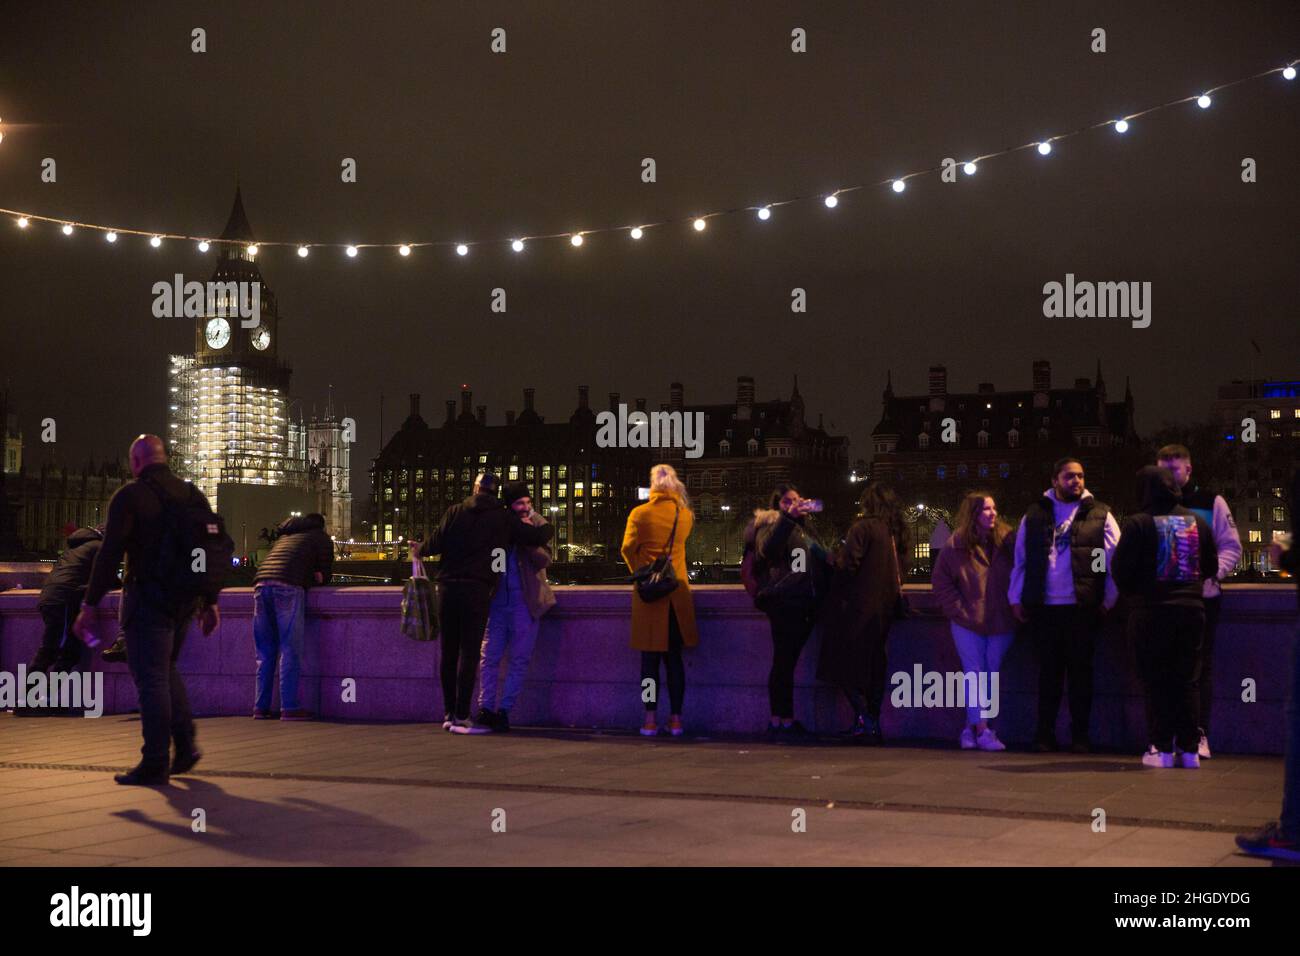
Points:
(454, 142)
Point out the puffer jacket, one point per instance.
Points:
(782, 544)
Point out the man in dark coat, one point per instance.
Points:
(60, 601)
(473, 538)
(155, 627)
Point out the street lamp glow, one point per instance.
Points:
(765, 213)
(462, 250)
(969, 169)
(898, 185)
(22, 222)
(403, 250)
(67, 228)
(636, 232)
(302, 252)
(576, 239)
(1289, 73)
(203, 245)
(111, 236)
(155, 242)
(1044, 149)
(1121, 126)
(1203, 101)
(251, 250)
(352, 252)
(699, 225)
(517, 245)
(832, 201)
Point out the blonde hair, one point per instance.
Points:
(663, 478)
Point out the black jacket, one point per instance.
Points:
(135, 530)
(1291, 557)
(775, 537)
(471, 531)
(302, 549)
(67, 581)
(1165, 551)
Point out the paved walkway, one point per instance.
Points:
(408, 794)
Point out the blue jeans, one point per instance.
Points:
(279, 617)
(510, 629)
(1291, 764)
(979, 654)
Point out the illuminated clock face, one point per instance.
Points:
(261, 339)
(217, 333)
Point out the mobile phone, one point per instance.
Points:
(814, 504)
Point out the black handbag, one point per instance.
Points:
(656, 580)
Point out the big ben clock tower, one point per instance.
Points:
(227, 402)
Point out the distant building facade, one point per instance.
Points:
(935, 447)
(1254, 477)
(584, 490)
(750, 447)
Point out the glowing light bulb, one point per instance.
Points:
(302, 252)
(67, 228)
(352, 252)
(22, 222)
(517, 245)
(1203, 101)
(699, 225)
(636, 233)
(765, 213)
(251, 250)
(832, 201)
(1289, 73)
(898, 185)
(969, 169)
(462, 250)
(203, 246)
(111, 236)
(1121, 126)
(155, 242)
(403, 250)
(576, 239)
(1044, 149)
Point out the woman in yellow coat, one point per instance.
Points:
(662, 628)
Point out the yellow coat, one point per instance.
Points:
(645, 539)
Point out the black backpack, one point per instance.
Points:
(190, 530)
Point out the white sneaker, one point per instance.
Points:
(1158, 759)
(988, 740)
(1188, 760)
(460, 725)
(1203, 748)
(447, 721)
(967, 739)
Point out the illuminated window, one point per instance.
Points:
(1256, 536)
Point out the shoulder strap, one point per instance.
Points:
(673, 534)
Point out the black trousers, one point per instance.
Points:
(60, 649)
(153, 643)
(463, 616)
(1206, 695)
(1167, 639)
(791, 628)
(673, 664)
(1066, 638)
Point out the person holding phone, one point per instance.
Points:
(790, 569)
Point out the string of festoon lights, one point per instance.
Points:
(763, 212)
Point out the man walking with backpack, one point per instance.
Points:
(175, 549)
